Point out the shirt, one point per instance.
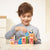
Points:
(19, 34)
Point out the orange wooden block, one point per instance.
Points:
(31, 35)
(12, 37)
(12, 42)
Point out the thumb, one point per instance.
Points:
(24, 31)
(28, 31)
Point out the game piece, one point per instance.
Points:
(20, 41)
(23, 40)
(12, 40)
(31, 40)
(12, 37)
(26, 34)
(16, 42)
(31, 37)
(26, 39)
(31, 31)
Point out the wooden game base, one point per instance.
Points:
(22, 45)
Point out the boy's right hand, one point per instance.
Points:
(21, 28)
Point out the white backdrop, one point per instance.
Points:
(9, 7)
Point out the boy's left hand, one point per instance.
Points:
(34, 37)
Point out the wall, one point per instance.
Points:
(48, 16)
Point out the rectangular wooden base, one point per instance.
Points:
(22, 45)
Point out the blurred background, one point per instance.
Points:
(40, 19)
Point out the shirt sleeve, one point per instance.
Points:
(38, 38)
(10, 33)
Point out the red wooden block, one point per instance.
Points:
(31, 40)
(23, 40)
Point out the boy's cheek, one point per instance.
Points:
(22, 18)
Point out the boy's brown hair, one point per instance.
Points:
(25, 8)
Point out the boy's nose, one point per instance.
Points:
(26, 17)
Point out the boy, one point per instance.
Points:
(25, 12)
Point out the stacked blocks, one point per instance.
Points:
(26, 35)
(12, 40)
(28, 39)
(31, 37)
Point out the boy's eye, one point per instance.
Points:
(24, 16)
(28, 16)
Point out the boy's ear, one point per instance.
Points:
(19, 16)
(16, 11)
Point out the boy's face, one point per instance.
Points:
(26, 18)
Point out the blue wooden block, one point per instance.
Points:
(31, 32)
(26, 34)
(20, 41)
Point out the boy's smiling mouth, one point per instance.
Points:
(26, 21)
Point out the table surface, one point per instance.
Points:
(44, 46)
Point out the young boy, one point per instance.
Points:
(25, 12)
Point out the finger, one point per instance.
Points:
(24, 31)
(28, 31)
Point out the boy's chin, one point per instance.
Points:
(26, 24)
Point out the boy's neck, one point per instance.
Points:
(26, 25)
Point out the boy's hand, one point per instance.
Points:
(34, 37)
(21, 28)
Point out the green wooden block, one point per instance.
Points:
(27, 40)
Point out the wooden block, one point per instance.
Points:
(15, 42)
(12, 42)
(31, 35)
(12, 37)
(27, 40)
(23, 40)
(20, 41)
(26, 34)
(31, 40)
